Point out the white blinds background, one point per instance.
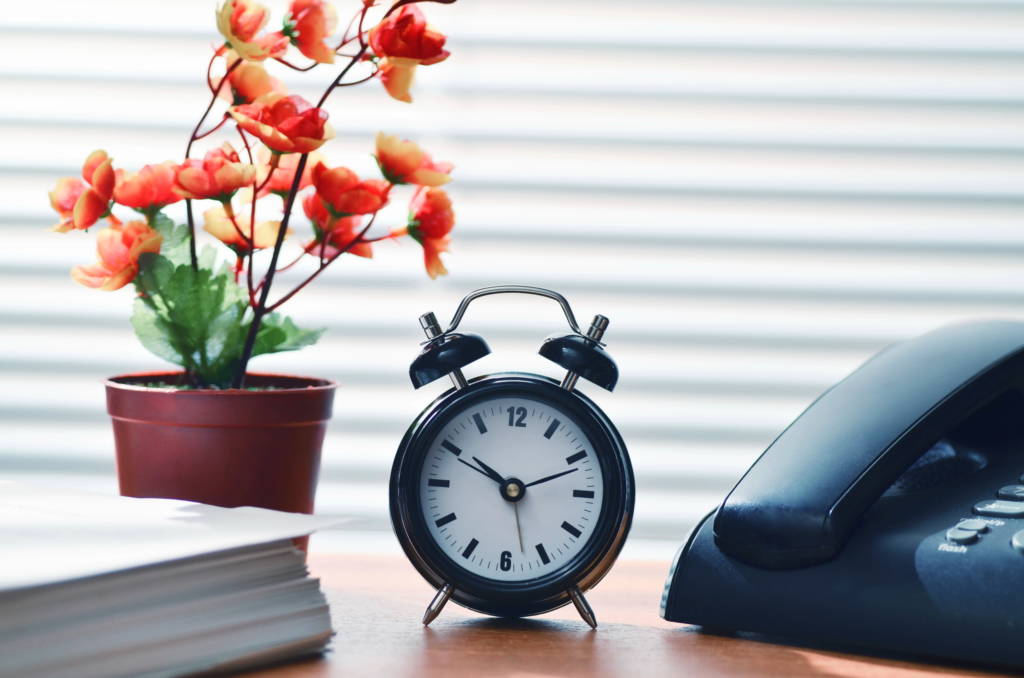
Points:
(758, 194)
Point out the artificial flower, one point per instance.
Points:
(219, 224)
(239, 21)
(248, 81)
(149, 189)
(91, 201)
(217, 176)
(403, 41)
(119, 248)
(63, 198)
(311, 22)
(431, 219)
(286, 124)
(333, 233)
(280, 181)
(404, 162)
(344, 193)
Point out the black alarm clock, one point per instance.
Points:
(512, 493)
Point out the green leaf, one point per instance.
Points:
(280, 333)
(175, 246)
(199, 319)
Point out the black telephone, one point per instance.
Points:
(888, 516)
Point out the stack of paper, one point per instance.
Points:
(96, 585)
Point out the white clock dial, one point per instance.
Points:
(530, 444)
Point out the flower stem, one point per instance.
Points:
(188, 150)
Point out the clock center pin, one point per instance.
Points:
(513, 490)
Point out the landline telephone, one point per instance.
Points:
(888, 516)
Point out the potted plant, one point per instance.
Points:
(212, 431)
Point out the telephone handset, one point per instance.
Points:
(889, 514)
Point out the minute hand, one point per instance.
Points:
(547, 478)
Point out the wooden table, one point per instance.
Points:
(377, 602)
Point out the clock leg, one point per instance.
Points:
(437, 604)
(582, 606)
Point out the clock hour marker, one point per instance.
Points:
(575, 458)
(451, 447)
(444, 520)
(551, 429)
(571, 529)
(479, 423)
(585, 494)
(437, 482)
(543, 554)
(468, 551)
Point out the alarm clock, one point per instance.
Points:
(512, 493)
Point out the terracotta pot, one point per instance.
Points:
(229, 448)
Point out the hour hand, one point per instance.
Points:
(490, 472)
(476, 468)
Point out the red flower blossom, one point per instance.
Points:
(218, 223)
(404, 162)
(147, 190)
(94, 201)
(312, 21)
(217, 176)
(286, 124)
(284, 172)
(239, 21)
(338, 232)
(345, 194)
(119, 248)
(63, 198)
(248, 81)
(431, 219)
(404, 41)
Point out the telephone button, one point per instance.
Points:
(1011, 492)
(1000, 508)
(1018, 541)
(958, 536)
(973, 524)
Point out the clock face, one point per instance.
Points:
(511, 488)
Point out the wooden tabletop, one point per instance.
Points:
(377, 603)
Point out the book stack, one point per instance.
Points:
(96, 585)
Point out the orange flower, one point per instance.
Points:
(404, 162)
(119, 248)
(311, 22)
(339, 232)
(147, 190)
(239, 21)
(431, 219)
(89, 203)
(281, 180)
(217, 176)
(344, 193)
(404, 41)
(248, 82)
(218, 223)
(63, 198)
(286, 124)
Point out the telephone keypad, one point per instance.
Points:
(1000, 508)
(1011, 492)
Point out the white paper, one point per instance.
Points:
(49, 535)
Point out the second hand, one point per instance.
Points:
(519, 530)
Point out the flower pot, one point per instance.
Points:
(233, 447)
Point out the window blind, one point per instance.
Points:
(758, 194)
